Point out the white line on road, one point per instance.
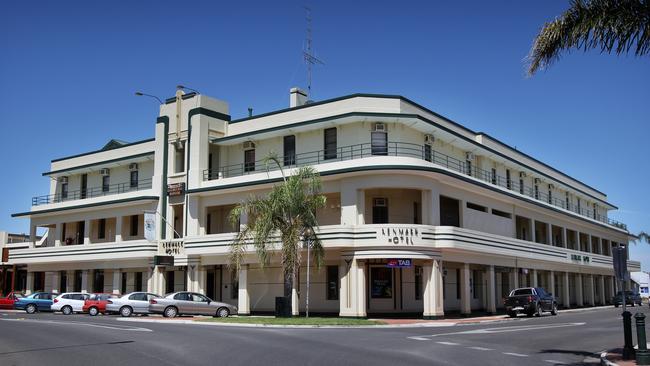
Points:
(514, 354)
(555, 362)
(481, 348)
(517, 328)
(449, 343)
(114, 327)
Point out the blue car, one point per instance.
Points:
(38, 301)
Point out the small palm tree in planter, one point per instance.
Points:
(287, 213)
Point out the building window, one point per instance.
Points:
(289, 150)
(123, 284)
(379, 143)
(501, 214)
(138, 281)
(101, 230)
(134, 179)
(550, 195)
(179, 158)
(418, 282)
(208, 224)
(536, 192)
(234, 289)
(468, 167)
(134, 225)
(84, 185)
(595, 211)
(449, 212)
(521, 186)
(332, 282)
(380, 210)
(64, 190)
(476, 207)
(329, 144)
(381, 283)
(458, 283)
(579, 210)
(106, 183)
(508, 181)
(494, 176)
(249, 160)
(427, 153)
(416, 213)
(98, 280)
(567, 200)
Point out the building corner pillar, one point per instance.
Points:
(117, 281)
(465, 290)
(491, 291)
(243, 301)
(432, 299)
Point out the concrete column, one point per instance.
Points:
(590, 249)
(579, 296)
(566, 301)
(87, 229)
(534, 278)
(491, 291)
(591, 291)
(514, 278)
(551, 283)
(465, 290)
(295, 299)
(84, 280)
(353, 289)
(243, 303)
(549, 233)
(58, 232)
(69, 281)
(565, 244)
(30, 283)
(117, 281)
(47, 283)
(601, 285)
(55, 280)
(361, 207)
(432, 299)
(202, 279)
(32, 236)
(191, 278)
(118, 228)
(533, 234)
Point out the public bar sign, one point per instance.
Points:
(398, 263)
(176, 189)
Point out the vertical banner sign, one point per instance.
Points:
(150, 226)
(619, 259)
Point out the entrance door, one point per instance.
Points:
(381, 296)
(84, 185)
(169, 281)
(449, 212)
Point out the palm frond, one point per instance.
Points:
(609, 25)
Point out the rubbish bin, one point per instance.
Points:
(282, 307)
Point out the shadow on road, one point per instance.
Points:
(590, 357)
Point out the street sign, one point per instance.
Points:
(619, 259)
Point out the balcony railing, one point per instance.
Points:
(93, 192)
(405, 149)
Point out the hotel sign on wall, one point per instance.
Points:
(176, 189)
(399, 235)
(580, 258)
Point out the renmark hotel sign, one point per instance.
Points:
(400, 235)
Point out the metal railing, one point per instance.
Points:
(405, 149)
(93, 192)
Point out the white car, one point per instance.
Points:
(69, 302)
(133, 303)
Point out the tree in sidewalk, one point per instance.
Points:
(618, 26)
(281, 222)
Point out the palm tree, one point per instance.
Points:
(643, 236)
(611, 25)
(287, 213)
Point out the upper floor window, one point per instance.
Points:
(521, 186)
(249, 160)
(427, 152)
(380, 210)
(379, 140)
(179, 157)
(332, 282)
(101, 229)
(290, 150)
(568, 200)
(536, 192)
(550, 194)
(329, 144)
(494, 176)
(134, 179)
(508, 181)
(64, 189)
(468, 166)
(578, 202)
(106, 183)
(134, 225)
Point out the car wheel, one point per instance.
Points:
(126, 311)
(632, 304)
(66, 310)
(170, 312)
(93, 311)
(512, 314)
(30, 309)
(223, 313)
(615, 305)
(554, 309)
(540, 311)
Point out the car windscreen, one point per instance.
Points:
(521, 292)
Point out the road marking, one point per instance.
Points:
(481, 348)
(555, 362)
(449, 343)
(514, 354)
(517, 328)
(113, 327)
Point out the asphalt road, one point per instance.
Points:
(54, 339)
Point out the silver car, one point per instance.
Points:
(191, 303)
(131, 303)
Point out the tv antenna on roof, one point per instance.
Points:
(308, 53)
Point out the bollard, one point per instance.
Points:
(642, 353)
(628, 349)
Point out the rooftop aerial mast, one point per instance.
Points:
(308, 53)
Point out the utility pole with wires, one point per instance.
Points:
(308, 53)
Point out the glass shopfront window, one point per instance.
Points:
(381, 283)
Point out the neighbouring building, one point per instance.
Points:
(423, 215)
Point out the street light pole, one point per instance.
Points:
(308, 271)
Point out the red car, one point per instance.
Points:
(7, 302)
(97, 303)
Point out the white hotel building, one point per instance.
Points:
(475, 217)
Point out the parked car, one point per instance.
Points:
(96, 303)
(38, 301)
(70, 302)
(190, 303)
(132, 303)
(530, 301)
(631, 298)
(7, 302)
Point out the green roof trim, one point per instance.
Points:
(100, 162)
(29, 213)
(103, 149)
(114, 144)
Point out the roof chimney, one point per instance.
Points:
(297, 97)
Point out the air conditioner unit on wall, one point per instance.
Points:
(469, 155)
(380, 202)
(379, 127)
(429, 139)
(133, 166)
(63, 180)
(522, 174)
(249, 145)
(105, 171)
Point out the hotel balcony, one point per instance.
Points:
(426, 153)
(92, 192)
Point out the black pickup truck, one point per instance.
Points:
(530, 301)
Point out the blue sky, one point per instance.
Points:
(68, 71)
